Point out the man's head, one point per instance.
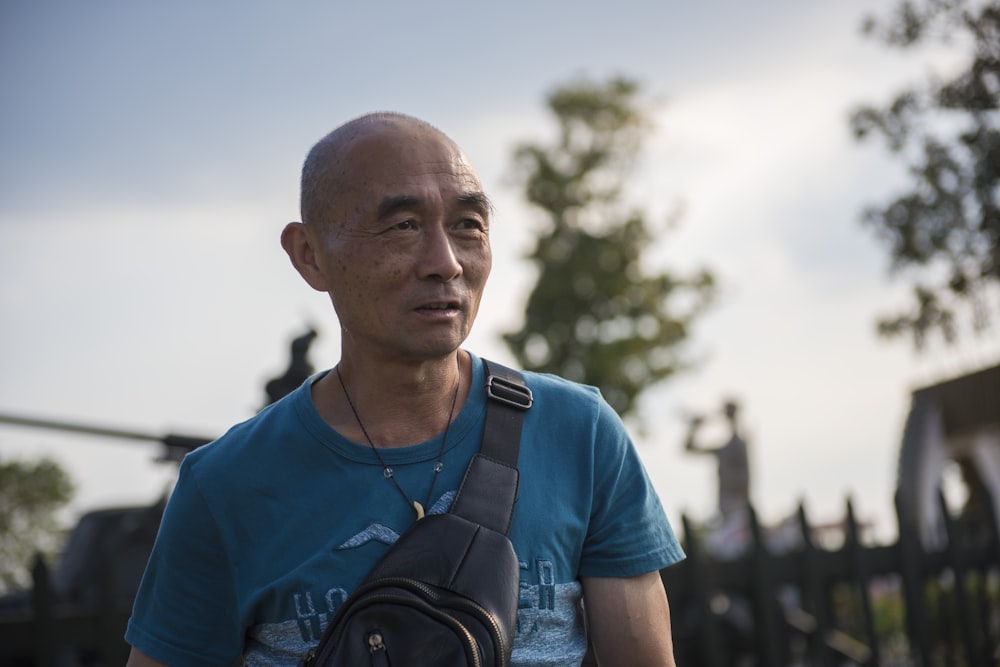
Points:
(323, 169)
(396, 229)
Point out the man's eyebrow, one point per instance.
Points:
(477, 200)
(390, 205)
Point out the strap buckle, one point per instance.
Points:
(509, 393)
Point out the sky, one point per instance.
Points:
(151, 154)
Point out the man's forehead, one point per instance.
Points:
(404, 164)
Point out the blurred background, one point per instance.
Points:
(151, 153)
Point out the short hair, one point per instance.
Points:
(316, 197)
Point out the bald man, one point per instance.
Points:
(273, 525)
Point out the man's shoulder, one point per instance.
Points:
(557, 386)
(253, 433)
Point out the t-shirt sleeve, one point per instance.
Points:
(185, 612)
(629, 533)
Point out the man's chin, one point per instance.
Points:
(440, 348)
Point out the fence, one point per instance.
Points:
(854, 604)
(815, 605)
(48, 633)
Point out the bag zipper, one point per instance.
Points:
(463, 604)
(376, 647)
(424, 591)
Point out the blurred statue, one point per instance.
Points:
(734, 466)
(299, 368)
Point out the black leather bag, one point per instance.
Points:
(446, 593)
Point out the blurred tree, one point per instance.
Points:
(30, 495)
(596, 314)
(946, 229)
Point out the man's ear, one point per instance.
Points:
(298, 243)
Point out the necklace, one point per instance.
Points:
(386, 469)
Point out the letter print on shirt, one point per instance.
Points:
(311, 622)
(307, 616)
(548, 614)
(538, 599)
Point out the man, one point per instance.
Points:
(273, 525)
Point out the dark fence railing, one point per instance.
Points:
(44, 632)
(851, 604)
(810, 604)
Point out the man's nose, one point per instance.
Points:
(439, 261)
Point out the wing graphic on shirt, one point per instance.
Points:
(375, 531)
(386, 535)
(443, 503)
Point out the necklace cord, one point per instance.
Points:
(386, 469)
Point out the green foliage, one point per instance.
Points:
(30, 495)
(596, 314)
(945, 230)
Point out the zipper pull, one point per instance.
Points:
(375, 642)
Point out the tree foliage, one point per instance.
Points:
(596, 314)
(30, 495)
(945, 230)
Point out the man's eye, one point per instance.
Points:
(405, 224)
(471, 223)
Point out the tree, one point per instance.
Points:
(30, 495)
(596, 314)
(945, 230)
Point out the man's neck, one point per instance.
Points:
(396, 404)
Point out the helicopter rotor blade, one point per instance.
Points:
(175, 444)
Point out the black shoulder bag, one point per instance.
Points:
(446, 593)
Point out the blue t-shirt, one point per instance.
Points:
(270, 527)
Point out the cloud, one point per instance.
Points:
(151, 156)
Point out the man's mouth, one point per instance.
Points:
(441, 305)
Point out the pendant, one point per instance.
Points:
(419, 509)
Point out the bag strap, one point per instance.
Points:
(488, 491)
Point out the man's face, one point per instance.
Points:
(405, 250)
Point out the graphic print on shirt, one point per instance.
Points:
(388, 536)
(548, 617)
(312, 620)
